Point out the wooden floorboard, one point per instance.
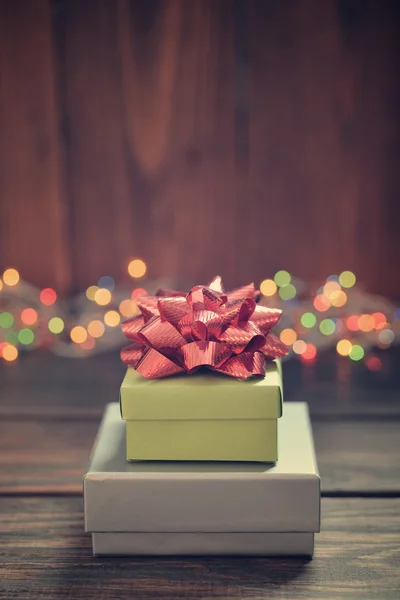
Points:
(45, 553)
(44, 456)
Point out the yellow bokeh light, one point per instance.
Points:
(10, 353)
(112, 318)
(96, 328)
(90, 292)
(347, 279)
(102, 296)
(366, 323)
(338, 298)
(330, 287)
(288, 336)
(11, 277)
(268, 287)
(299, 347)
(137, 268)
(343, 347)
(128, 308)
(78, 334)
(1, 285)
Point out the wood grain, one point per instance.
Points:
(232, 136)
(321, 140)
(33, 213)
(149, 134)
(44, 553)
(51, 456)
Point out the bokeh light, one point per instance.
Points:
(308, 320)
(282, 278)
(347, 279)
(88, 344)
(339, 325)
(138, 292)
(343, 347)
(288, 336)
(321, 303)
(11, 277)
(26, 336)
(356, 352)
(366, 323)
(102, 296)
(338, 298)
(9, 353)
(78, 334)
(299, 347)
(268, 287)
(96, 328)
(373, 363)
(327, 326)
(29, 316)
(287, 292)
(1, 284)
(56, 325)
(106, 282)
(112, 318)
(386, 336)
(127, 308)
(352, 323)
(330, 287)
(91, 291)
(48, 296)
(137, 268)
(379, 319)
(310, 352)
(6, 320)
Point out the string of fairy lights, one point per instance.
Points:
(336, 314)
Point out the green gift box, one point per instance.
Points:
(202, 417)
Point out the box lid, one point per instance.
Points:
(121, 496)
(205, 395)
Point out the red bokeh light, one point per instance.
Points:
(310, 353)
(374, 363)
(138, 292)
(352, 323)
(48, 296)
(29, 316)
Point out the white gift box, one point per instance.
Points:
(165, 508)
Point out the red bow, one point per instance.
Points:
(178, 333)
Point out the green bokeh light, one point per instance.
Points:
(347, 279)
(327, 326)
(357, 352)
(282, 278)
(26, 336)
(287, 292)
(56, 325)
(6, 320)
(308, 320)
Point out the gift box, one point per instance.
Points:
(203, 507)
(203, 417)
(202, 382)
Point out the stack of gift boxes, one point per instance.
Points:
(203, 461)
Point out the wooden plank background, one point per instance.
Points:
(232, 136)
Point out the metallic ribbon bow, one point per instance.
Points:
(178, 333)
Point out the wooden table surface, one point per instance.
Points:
(49, 412)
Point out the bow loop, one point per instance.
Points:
(227, 333)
